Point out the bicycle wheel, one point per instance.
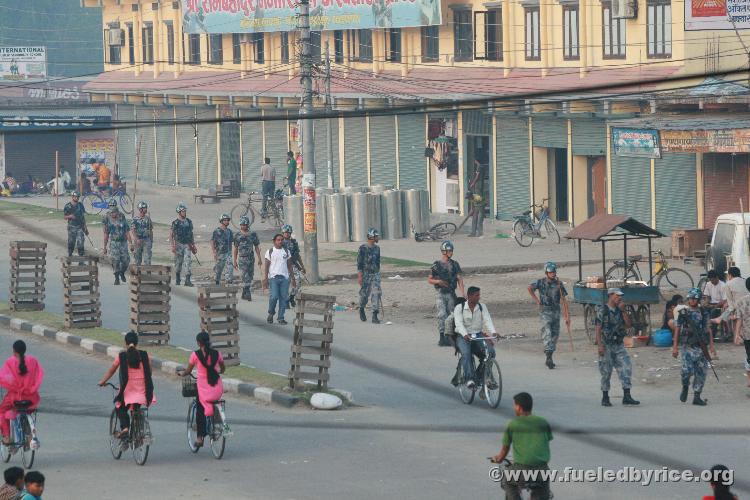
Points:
(643, 318)
(552, 233)
(126, 203)
(141, 432)
(620, 273)
(674, 280)
(241, 211)
(493, 383)
(192, 428)
(278, 216)
(115, 444)
(27, 452)
(443, 230)
(93, 203)
(218, 441)
(589, 322)
(523, 232)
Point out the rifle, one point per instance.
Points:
(696, 332)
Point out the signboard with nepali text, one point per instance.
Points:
(706, 141)
(251, 16)
(22, 63)
(642, 143)
(703, 15)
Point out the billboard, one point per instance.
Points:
(250, 16)
(641, 143)
(22, 63)
(717, 14)
(706, 141)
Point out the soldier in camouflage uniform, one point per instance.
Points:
(221, 244)
(298, 268)
(552, 295)
(143, 235)
(117, 234)
(693, 330)
(446, 276)
(244, 242)
(368, 275)
(611, 322)
(183, 244)
(75, 214)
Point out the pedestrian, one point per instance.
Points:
(277, 272)
(34, 482)
(477, 201)
(117, 233)
(529, 435)
(691, 334)
(244, 242)
(143, 235)
(75, 214)
(472, 320)
(298, 267)
(368, 276)
(183, 244)
(611, 321)
(291, 172)
(103, 177)
(742, 327)
(268, 186)
(446, 276)
(721, 481)
(552, 294)
(221, 244)
(11, 490)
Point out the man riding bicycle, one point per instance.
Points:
(471, 319)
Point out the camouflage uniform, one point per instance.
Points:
(182, 234)
(615, 355)
(694, 362)
(549, 295)
(222, 239)
(76, 227)
(445, 297)
(292, 247)
(144, 233)
(118, 244)
(245, 244)
(368, 263)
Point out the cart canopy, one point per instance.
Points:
(612, 227)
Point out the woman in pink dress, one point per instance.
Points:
(21, 376)
(136, 385)
(209, 383)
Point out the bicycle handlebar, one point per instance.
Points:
(113, 386)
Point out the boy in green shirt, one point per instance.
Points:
(291, 172)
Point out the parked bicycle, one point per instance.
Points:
(438, 232)
(139, 437)
(22, 434)
(270, 208)
(217, 428)
(94, 202)
(670, 280)
(489, 379)
(526, 226)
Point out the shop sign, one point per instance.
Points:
(641, 143)
(22, 122)
(22, 63)
(710, 15)
(706, 141)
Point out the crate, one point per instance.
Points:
(313, 336)
(150, 288)
(220, 319)
(686, 242)
(28, 261)
(81, 304)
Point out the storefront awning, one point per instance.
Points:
(32, 119)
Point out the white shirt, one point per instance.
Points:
(278, 258)
(469, 322)
(734, 291)
(715, 293)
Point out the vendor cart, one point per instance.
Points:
(592, 291)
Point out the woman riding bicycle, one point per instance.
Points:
(136, 385)
(21, 376)
(210, 387)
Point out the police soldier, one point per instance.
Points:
(111, 205)
(117, 234)
(552, 295)
(477, 201)
(244, 241)
(446, 276)
(611, 322)
(221, 244)
(368, 275)
(143, 235)
(75, 214)
(691, 334)
(183, 244)
(298, 268)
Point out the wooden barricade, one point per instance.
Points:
(220, 319)
(311, 350)
(149, 302)
(81, 304)
(28, 261)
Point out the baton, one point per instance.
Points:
(92, 243)
(196, 259)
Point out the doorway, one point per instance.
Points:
(597, 181)
(478, 150)
(557, 172)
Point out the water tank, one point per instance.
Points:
(338, 220)
(293, 214)
(416, 211)
(321, 209)
(358, 215)
(392, 223)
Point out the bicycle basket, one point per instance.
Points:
(189, 387)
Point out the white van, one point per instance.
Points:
(729, 244)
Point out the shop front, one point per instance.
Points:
(443, 155)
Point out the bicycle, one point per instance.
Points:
(525, 229)
(528, 488)
(23, 435)
(490, 378)
(669, 280)
(438, 232)
(217, 428)
(249, 210)
(246, 209)
(94, 202)
(139, 437)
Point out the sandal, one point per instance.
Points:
(199, 442)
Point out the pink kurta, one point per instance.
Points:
(206, 393)
(135, 391)
(19, 387)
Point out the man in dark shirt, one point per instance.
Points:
(74, 213)
(368, 275)
(183, 244)
(221, 244)
(446, 276)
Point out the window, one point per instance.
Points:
(194, 49)
(571, 50)
(430, 43)
(114, 52)
(393, 44)
(613, 34)
(315, 45)
(338, 46)
(360, 45)
(147, 40)
(170, 42)
(131, 45)
(659, 25)
(284, 47)
(236, 48)
(215, 49)
(463, 39)
(259, 47)
(531, 32)
(493, 29)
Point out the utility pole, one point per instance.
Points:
(308, 148)
(329, 107)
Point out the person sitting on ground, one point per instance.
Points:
(11, 490)
(10, 183)
(21, 376)
(34, 482)
(668, 321)
(27, 186)
(720, 483)
(714, 291)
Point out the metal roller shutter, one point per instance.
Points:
(412, 137)
(355, 152)
(33, 153)
(675, 208)
(382, 150)
(550, 132)
(477, 123)
(126, 142)
(631, 187)
(725, 181)
(589, 137)
(186, 147)
(230, 151)
(207, 155)
(512, 150)
(146, 161)
(321, 152)
(277, 145)
(252, 152)
(165, 152)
